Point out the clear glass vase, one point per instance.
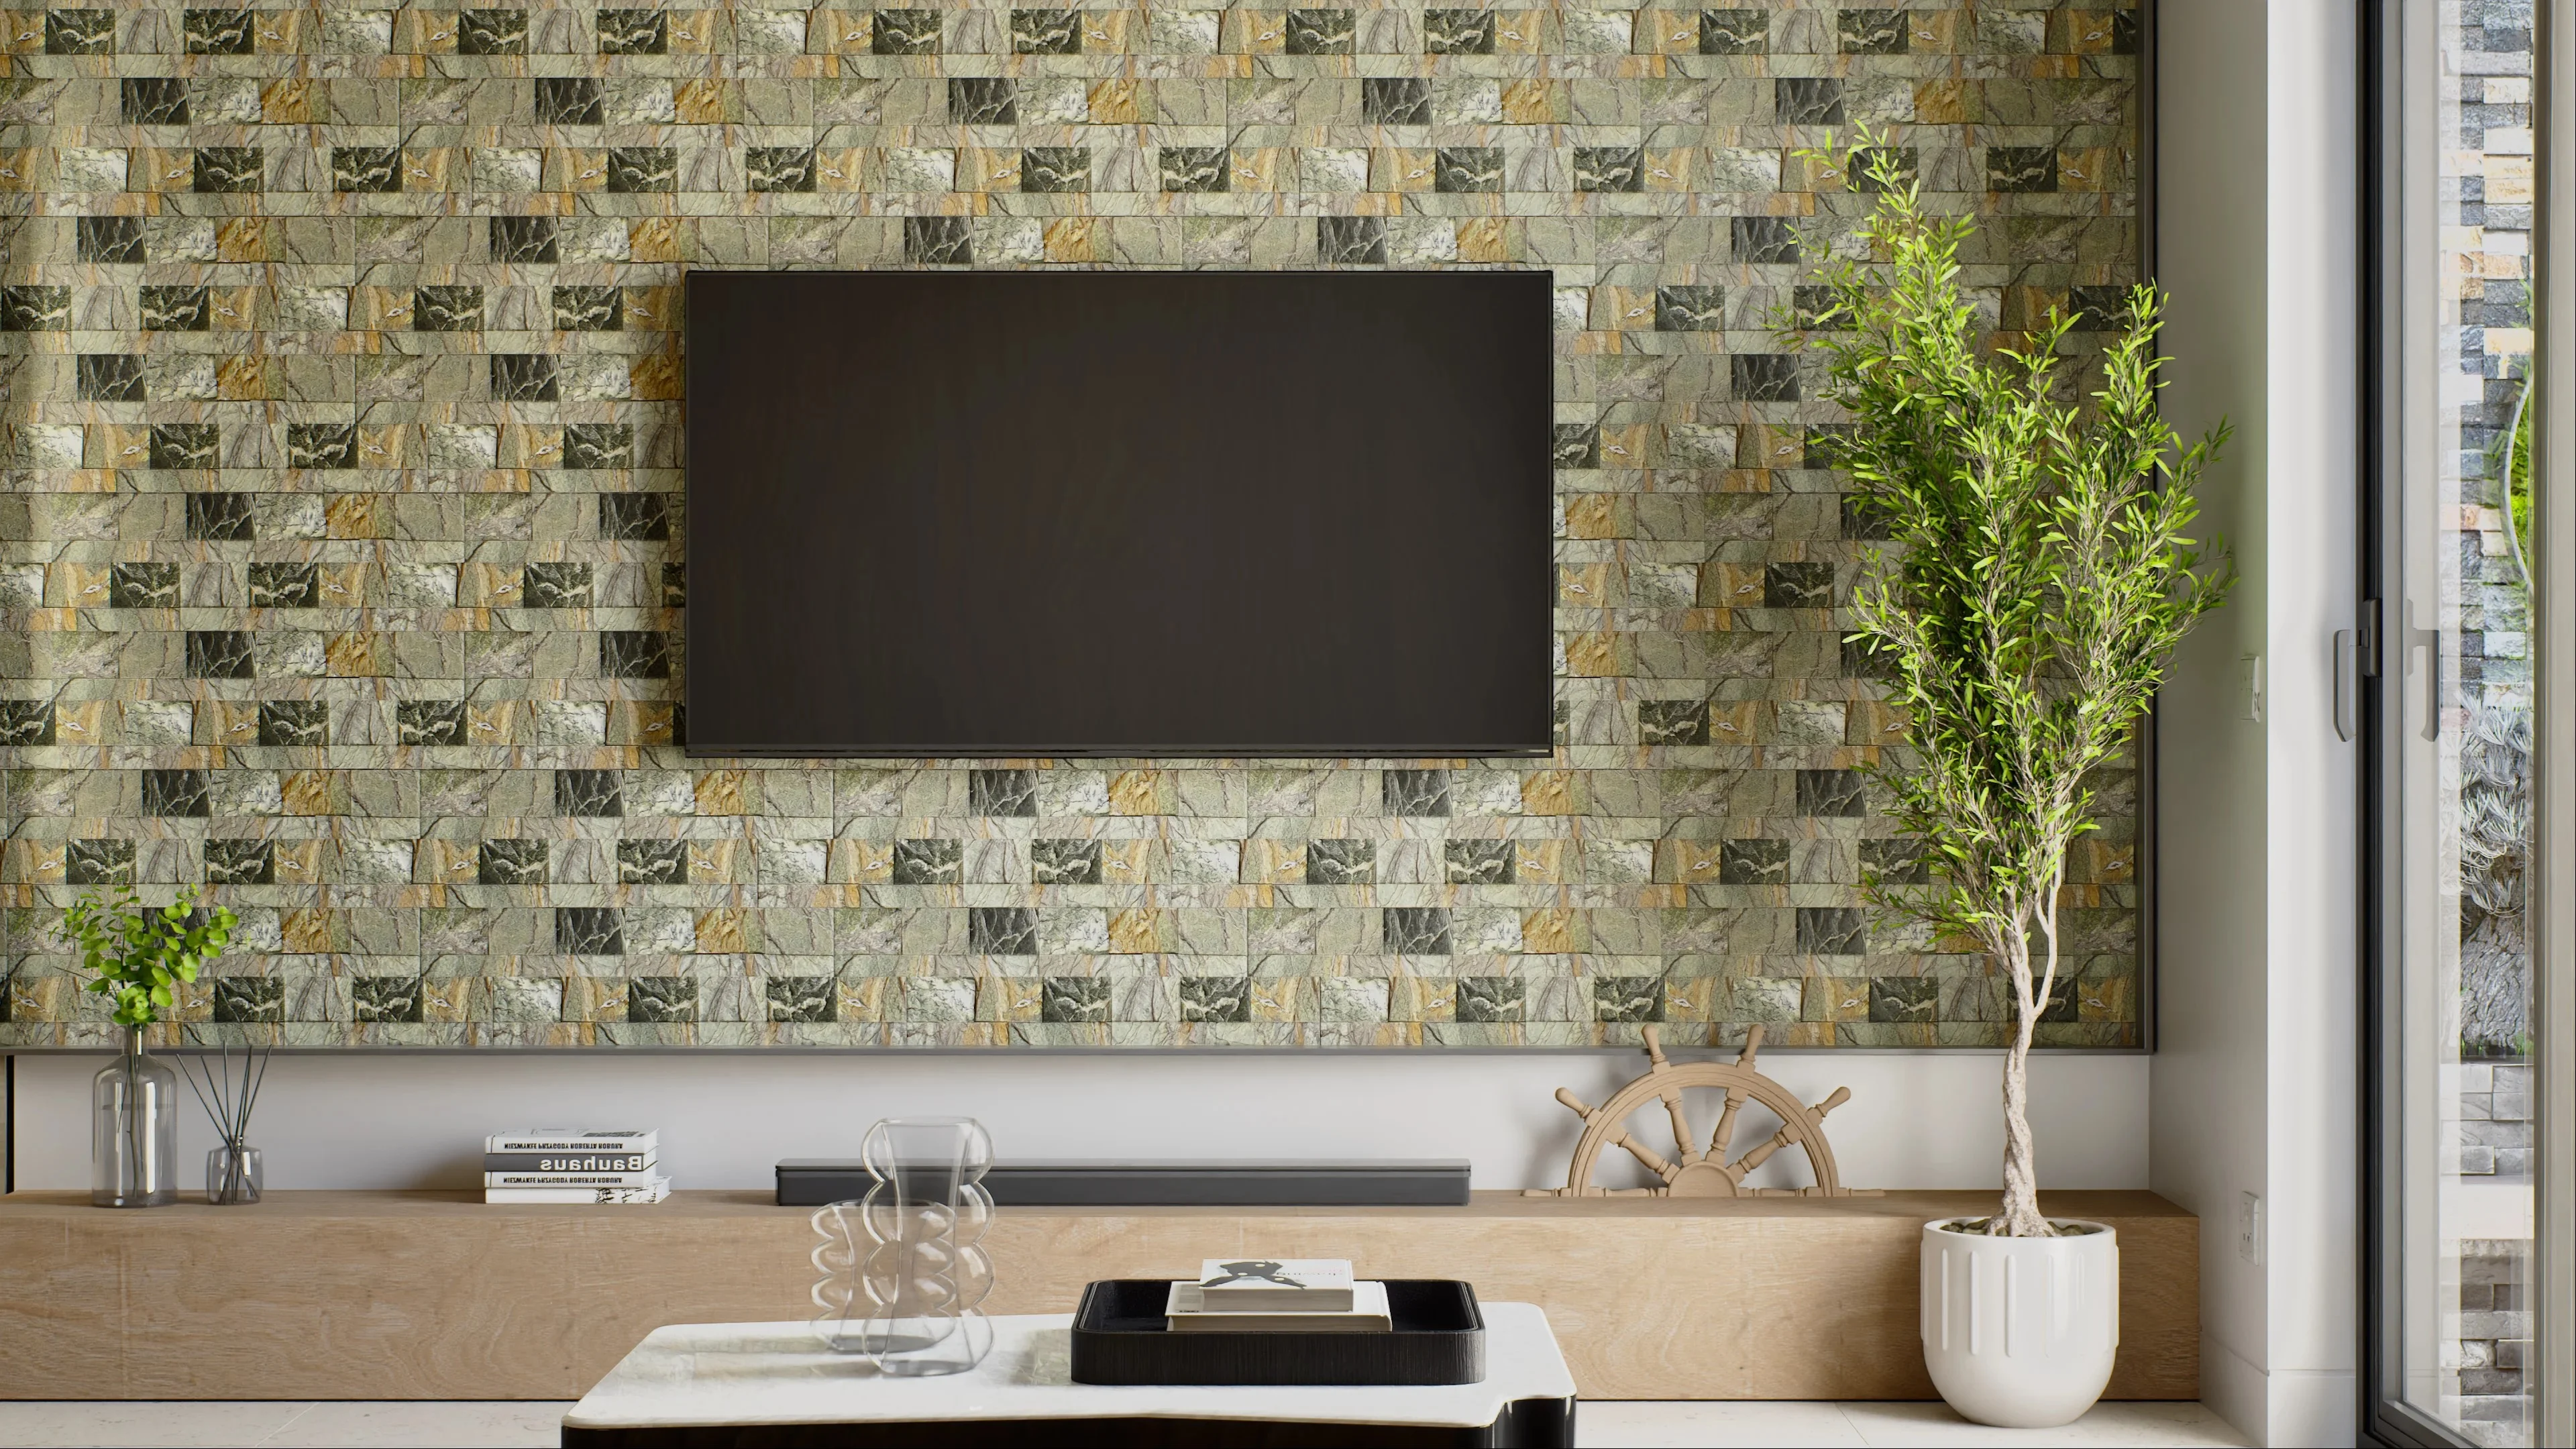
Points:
(904, 1279)
(134, 1130)
(232, 1175)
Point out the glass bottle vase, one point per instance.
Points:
(134, 1130)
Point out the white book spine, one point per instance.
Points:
(553, 1140)
(651, 1194)
(570, 1179)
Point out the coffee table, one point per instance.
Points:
(772, 1386)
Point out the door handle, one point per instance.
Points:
(2356, 654)
(2346, 706)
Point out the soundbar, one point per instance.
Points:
(810, 1182)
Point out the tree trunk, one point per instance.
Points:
(2020, 1216)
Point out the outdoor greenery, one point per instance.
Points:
(138, 954)
(2036, 577)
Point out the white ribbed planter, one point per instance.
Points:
(2020, 1332)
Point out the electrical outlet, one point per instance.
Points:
(2249, 687)
(2249, 1227)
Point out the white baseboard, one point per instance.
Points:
(2292, 1409)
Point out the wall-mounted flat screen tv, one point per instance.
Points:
(1119, 513)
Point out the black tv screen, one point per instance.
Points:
(1119, 513)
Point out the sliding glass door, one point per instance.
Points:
(2450, 671)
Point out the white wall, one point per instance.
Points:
(392, 1121)
(2254, 1089)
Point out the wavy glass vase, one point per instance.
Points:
(903, 1279)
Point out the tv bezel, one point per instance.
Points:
(1545, 583)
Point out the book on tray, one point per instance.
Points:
(571, 1165)
(1367, 1314)
(1277, 1295)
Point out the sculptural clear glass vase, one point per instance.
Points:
(904, 1278)
(134, 1130)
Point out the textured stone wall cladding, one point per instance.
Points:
(343, 518)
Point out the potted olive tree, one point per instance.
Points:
(2036, 575)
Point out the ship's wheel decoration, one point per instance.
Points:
(1700, 1173)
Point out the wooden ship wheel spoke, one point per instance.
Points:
(1711, 1173)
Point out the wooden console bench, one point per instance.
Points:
(348, 1295)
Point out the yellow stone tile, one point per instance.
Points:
(720, 932)
(1125, 862)
(1255, 169)
(307, 932)
(655, 377)
(1595, 516)
(1666, 32)
(497, 723)
(360, 654)
(1583, 586)
(1140, 792)
(1519, 32)
(1945, 102)
(700, 102)
(1483, 239)
(279, 32)
(309, 792)
(654, 239)
(1275, 862)
(1669, 170)
(444, 998)
(290, 103)
(230, 722)
(246, 239)
(488, 586)
(692, 32)
(1257, 32)
(1140, 930)
(384, 447)
(1692, 862)
(1075, 239)
(720, 792)
(147, 169)
(1404, 169)
(1548, 792)
(840, 32)
(2085, 168)
(1115, 103)
(1594, 655)
(840, 168)
(246, 377)
(432, 169)
(989, 169)
(1548, 932)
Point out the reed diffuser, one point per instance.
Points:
(232, 1169)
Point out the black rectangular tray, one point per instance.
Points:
(1119, 1337)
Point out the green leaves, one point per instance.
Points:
(2039, 566)
(138, 955)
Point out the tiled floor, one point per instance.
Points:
(1626, 1425)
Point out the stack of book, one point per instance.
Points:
(551, 1164)
(1277, 1295)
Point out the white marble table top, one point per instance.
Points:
(777, 1373)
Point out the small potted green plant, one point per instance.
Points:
(2036, 575)
(137, 956)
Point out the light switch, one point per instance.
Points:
(2249, 687)
(2249, 1226)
